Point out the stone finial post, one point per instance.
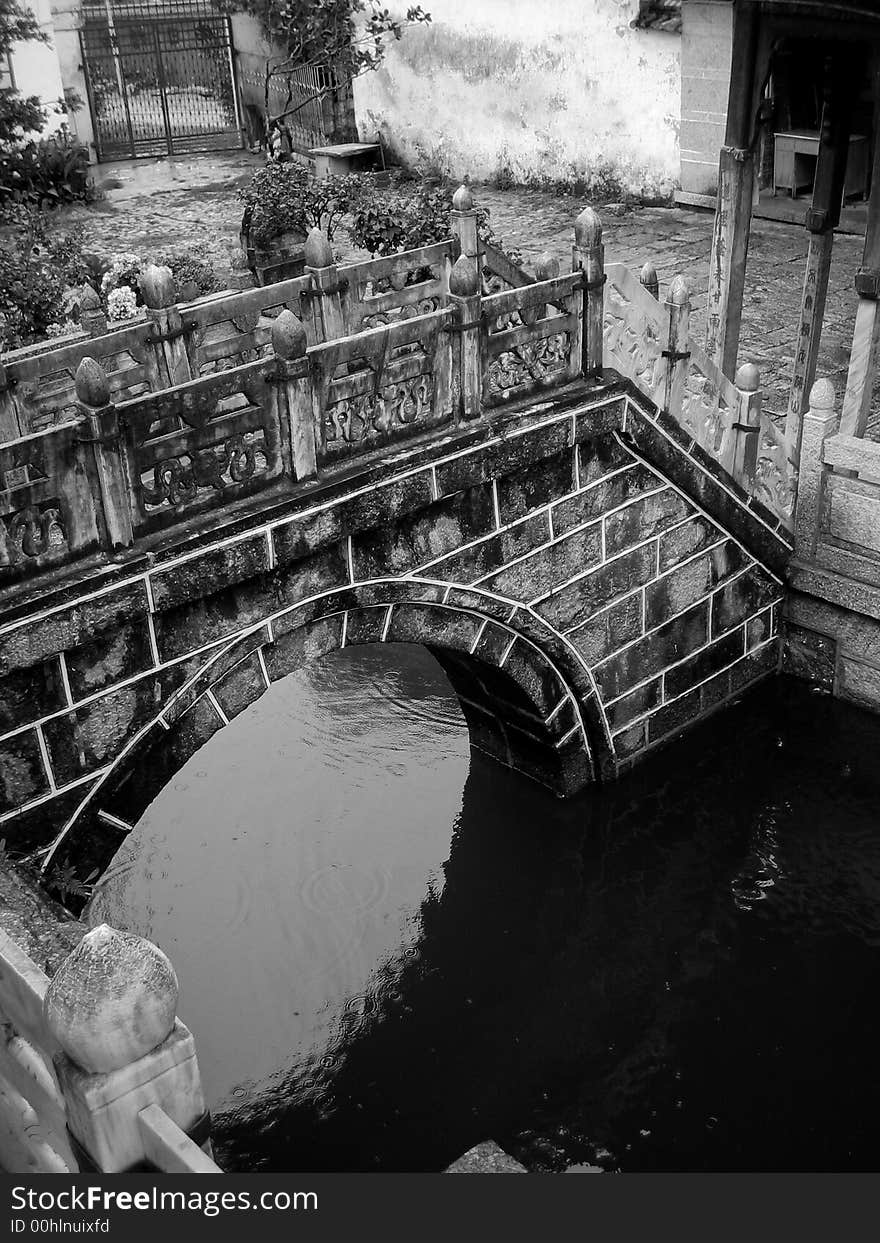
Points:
(820, 421)
(677, 352)
(103, 433)
(747, 429)
(464, 297)
(546, 269)
(240, 275)
(292, 376)
(651, 281)
(168, 331)
(327, 286)
(111, 1007)
(92, 315)
(463, 222)
(588, 256)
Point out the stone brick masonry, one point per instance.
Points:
(591, 583)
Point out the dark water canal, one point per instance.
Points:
(390, 949)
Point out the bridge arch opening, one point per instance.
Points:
(527, 702)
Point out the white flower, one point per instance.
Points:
(121, 303)
(54, 330)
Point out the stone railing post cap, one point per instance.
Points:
(463, 279)
(648, 273)
(680, 291)
(288, 336)
(748, 378)
(463, 200)
(157, 286)
(89, 300)
(822, 395)
(91, 384)
(588, 228)
(112, 1001)
(317, 252)
(547, 267)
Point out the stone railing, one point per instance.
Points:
(96, 1071)
(173, 343)
(650, 343)
(123, 469)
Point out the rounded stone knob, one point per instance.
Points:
(89, 300)
(317, 252)
(463, 200)
(463, 279)
(587, 229)
(822, 395)
(113, 1000)
(649, 278)
(91, 384)
(679, 292)
(748, 378)
(157, 286)
(547, 267)
(288, 336)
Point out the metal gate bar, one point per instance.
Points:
(160, 78)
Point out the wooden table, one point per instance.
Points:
(794, 163)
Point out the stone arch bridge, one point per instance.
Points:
(590, 578)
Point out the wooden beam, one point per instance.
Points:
(736, 183)
(822, 218)
(866, 336)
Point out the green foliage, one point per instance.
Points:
(18, 114)
(386, 222)
(31, 284)
(285, 198)
(193, 272)
(45, 172)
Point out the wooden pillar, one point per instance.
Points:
(111, 1007)
(103, 433)
(330, 319)
(822, 218)
(464, 297)
(157, 287)
(819, 423)
(736, 184)
(295, 408)
(863, 356)
(588, 256)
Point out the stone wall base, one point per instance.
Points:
(835, 647)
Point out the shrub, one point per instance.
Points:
(193, 272)
(45, 173)
(31, 285)
(285, 198)
(386, 222)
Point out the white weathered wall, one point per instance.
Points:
(36, 68)
(559, 90)
(707, 42)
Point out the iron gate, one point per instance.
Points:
(160, 77)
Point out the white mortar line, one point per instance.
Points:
(637, 454)
(476, 641)
(270, 630)
(562, 741)
(212, 699)
(435, 487)
(495, 506)
(646, 715)
(344, 631)
(263, 669)
(550, 529)
(349, 557)
(65, 680)
(151, 603)
(577, 467)
(47, 798)
(154, 644)
(617, 557)
(115, 821)
(563, 701)
(675, 616)
(503, 661)
(270, 548)
(47, 763)
(386, 623)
